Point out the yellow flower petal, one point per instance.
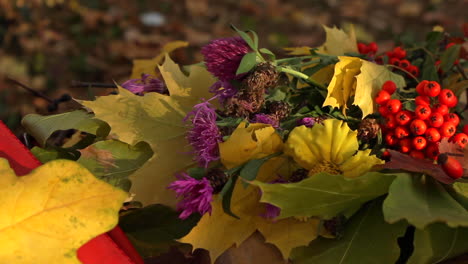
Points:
(332, 142)
(246, 143)
(359, 164)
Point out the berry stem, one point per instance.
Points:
(403, 70)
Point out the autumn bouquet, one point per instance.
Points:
(336, 154)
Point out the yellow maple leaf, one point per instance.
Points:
(48, 214)
(337, 43)
(218, 232)
(354, 77)
(149, 66)
(158, 120)
(249, 142)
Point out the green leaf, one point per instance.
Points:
(250, 170)
(226, 194)
(247, 63)
(277, 95)
(437, 243)
(367, 239)
(421, 200)
(269, 53)
(154, 228)
(459, 192)
(41, 127)
(449, 57)
(429, 70)
(324, 194)
(433, 39)
(253, 44)
(196, 173)
(114, 161)
(46, 155)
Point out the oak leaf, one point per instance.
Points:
(48, 214)
(158, 120)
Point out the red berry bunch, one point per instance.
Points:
(397, 57)
(419, 132)
(369, 49)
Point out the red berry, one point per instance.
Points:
(405, 145)
(461, 139)
(432, 89)
(420, 87)
(447, 129)
(422, 100)
(413, 69)
(447, 97)
(389, 86)
(419, 143)
(449, 45)
(422, 112)
(432, 150)
(391, 139)
(399, 53)
(435, 120)
(417, 154)
(403, 117)
(390, 122)
(386, 155)
(452, 117)
(404, 64)
(440, 108)
(451, 166)
(418, 127)
(383, 111)
(432, 134)
(393, 106)
(382, 97)
(465, 129)
(401, 132)
(373, 47)
(363, 49)
(395, 61)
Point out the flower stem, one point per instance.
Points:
(295, 58)
(403, 70)
(301, 76)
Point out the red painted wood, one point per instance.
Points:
(109, 248)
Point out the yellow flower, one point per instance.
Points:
(249, 142)
(331, 147)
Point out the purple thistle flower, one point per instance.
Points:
(145, 84)
(196, 195)
(223, 56)
(204, 134)
(271, 211)
(306, 121)
(265, 119)
(223, 90)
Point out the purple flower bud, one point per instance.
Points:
(306, 121)
(265, 119)
(196, 195)
(204, 134)
(145, 85)
(223, 90)
(223, 56)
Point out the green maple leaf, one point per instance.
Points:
(158, 120)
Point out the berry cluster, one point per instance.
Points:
(397, 57)
(369, 49)
(419, 132)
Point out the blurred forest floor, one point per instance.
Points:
(47, 44)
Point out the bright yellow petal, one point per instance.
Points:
(246, 143)
(333, 142)
(359, 164)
